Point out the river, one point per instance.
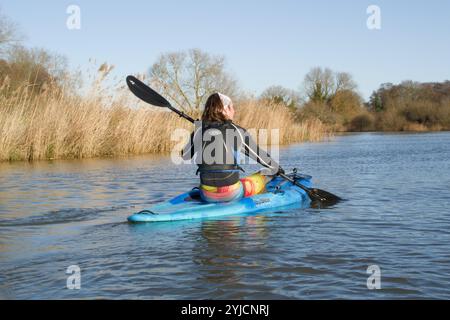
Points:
(396, 217)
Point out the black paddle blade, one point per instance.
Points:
(144, 92)
(322, 199)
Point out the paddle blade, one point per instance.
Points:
(322, 199)
(144, 92)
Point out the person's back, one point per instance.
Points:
(216, 144)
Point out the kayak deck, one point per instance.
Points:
(280, 193)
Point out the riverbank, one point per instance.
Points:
(56, 125)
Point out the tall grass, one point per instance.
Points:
(265, 115)
(55, 124)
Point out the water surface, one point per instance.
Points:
(62, 213)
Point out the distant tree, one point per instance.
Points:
(375, 102)
(281, 95)
(347, 104)
(20, 66)
(8, 34)
(362, 122)
(318, 84)
(321, 85)
(344, 82)
(378, 99)
(187, 78)
(35, 68)
(412, 105)
(320, 111)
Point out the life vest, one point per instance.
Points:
(216, 148)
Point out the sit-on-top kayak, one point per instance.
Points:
(280, 193)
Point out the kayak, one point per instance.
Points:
(280, 193)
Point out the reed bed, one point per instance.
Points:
(254, 114)
(57, 125)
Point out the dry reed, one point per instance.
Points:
(56, 125)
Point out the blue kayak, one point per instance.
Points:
(280, 193)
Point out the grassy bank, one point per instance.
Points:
(57, 125)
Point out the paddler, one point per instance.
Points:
(216, 145)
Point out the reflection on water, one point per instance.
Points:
(62, 213)
(222, 254)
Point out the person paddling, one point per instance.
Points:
(220, 142)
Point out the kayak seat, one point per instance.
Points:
(147, 212)
(194, 195)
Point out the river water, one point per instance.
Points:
(396, 217)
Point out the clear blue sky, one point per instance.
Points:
(265, 42)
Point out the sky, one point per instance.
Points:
(264, 42)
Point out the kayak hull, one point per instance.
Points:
(187, 206)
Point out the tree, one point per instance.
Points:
(321, 85)
(378, 99)
(318, 84)
(35, 68)
(187, 78)
(347, 104)
(376, 102)
(279, 94)
(344, 82)
(8, 33)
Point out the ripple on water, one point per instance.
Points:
(58, 214)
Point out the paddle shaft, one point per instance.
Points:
(181, 114)
(310, 193)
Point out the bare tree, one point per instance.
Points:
(8, 33)
(321, 85)
(36, 68)
(279, 94)
(344, 81)
(187, 78)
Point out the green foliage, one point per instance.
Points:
(375, 102)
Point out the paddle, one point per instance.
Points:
(147, 94)
(319, 198)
